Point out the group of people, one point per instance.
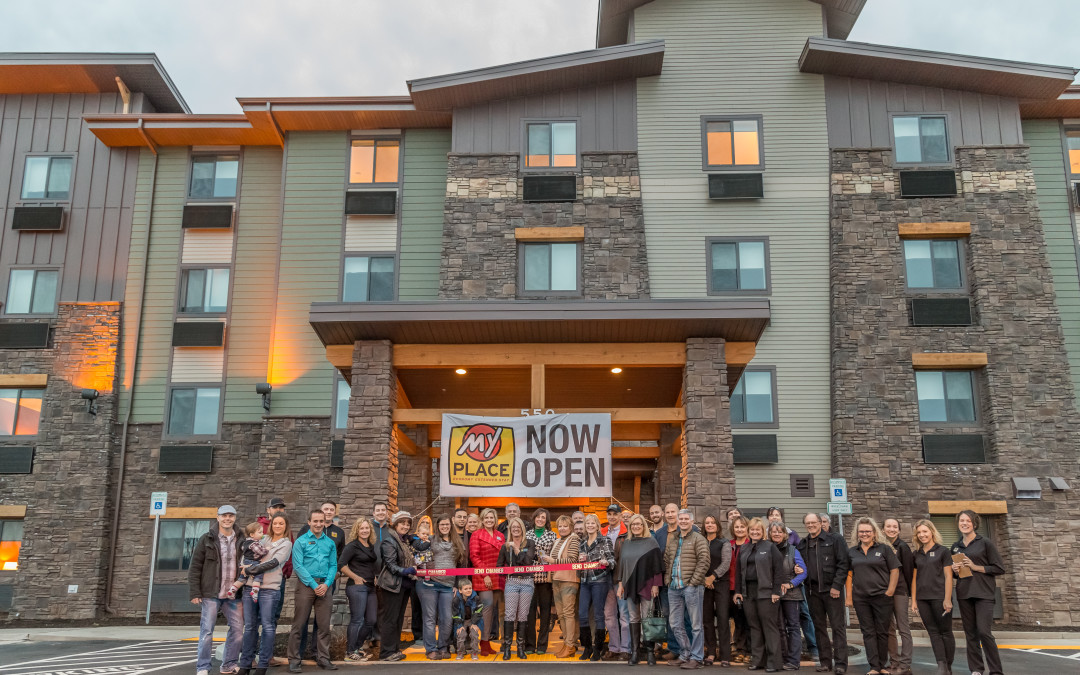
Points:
(664, 586)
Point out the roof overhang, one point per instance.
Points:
(331, 114)
(936, 69)
(89, 73)
(529, 322)
(613, 18)
(1065, 106)
(553, 73)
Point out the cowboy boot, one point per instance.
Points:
(508, 634)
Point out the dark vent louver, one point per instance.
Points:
(928, 183)
(7, 591)
(34, 335)
(1076, 194)
(16, 459)
(337, 454)
(802, 485)
(198, 334)
(953, 449)
(371, 203)
(736, 186)
(549, 188)
(40, 218)
(185, 459)
(207, 216)
(754, 449)
(172, 598)
(941, 312)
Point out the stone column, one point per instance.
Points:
(708, 472)
(669, 486)
(371, 455)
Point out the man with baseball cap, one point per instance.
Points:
(615, 610)
(215, 562)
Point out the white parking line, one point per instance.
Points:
(134, 659)
(1070, 657)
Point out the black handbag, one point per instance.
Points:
(654, 627)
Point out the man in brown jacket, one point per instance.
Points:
(686, 562)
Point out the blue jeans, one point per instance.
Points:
(688, 600)
(791, 645)
(435, 601)
(807, 625)
(624, 624)
(363, 612)
(592, 595)
(234, 616)
(257, 614)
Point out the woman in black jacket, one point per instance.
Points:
(359, 561)
(716, 595)
(757, 588)
(975, 593)
(395, 582)
(518, 551)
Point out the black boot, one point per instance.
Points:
(508, 636)
(650, 653)
(521, 640)
(244, 671)
(635, 644)
(585, 638)
(598, 644)
(259, 671)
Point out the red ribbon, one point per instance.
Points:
(523, 569)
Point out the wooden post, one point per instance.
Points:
(637, 493)
(537, 398)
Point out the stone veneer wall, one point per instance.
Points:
(708, 468)
(1027, 410)
(371, 453)
(483, 208)
(66, 495)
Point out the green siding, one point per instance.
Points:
(736, 57)
(1048, 163)
(423, 196)
(258, 221)
(310, 267)
(160, 295)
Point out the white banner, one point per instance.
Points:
(567, 455)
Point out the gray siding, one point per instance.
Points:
(726, 57)
(606, 113)
(859, 112)
(92, 248)
(1055, 207)
(422, 200)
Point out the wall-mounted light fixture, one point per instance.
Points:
(90, 396)
(264, 389)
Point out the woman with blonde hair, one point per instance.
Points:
(518, 551)
(595, 584)
(931, 592)
(564, 585)
(760, 573)
(360, 563)
(640, 576)
(875, 571)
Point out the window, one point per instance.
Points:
(1073, 141)
(214, 176)
(11, 533)
(32, 292)
(551, 145)
(932, 263)
(368, 279)
(737, 266)
(550, 267)
(732, 143)
(921, 139)
(47, 178)
(341, 403)
(194, 412)
(204, 290)
(945, 396)
(374, 161)
(20, 411)
(753, 401)
(176, 543)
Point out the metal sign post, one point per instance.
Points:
(158, 501)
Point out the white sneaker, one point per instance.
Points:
(203, 672)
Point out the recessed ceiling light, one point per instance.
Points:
(461, 371)
(616, 370)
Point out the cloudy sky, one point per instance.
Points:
(217, 50)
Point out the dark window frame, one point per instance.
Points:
(22, 537)
(170, 573)
(579, 289)
(976, 402)
(13, 437)
(523, 161)
(736, 168)
(181, 290)
(964, 289)
(709, 241)
(193, 156)
(73, 156)
(177, 386)
(775, 424)
(948, 164)
(374, 185)
(392, 255)
(339, 431)
(56, 298)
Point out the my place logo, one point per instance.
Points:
(481, 455)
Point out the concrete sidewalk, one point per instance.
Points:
(126, 633)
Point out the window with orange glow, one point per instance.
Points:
(11, 534)
(733, 143)
(20, 411)
(551, 145)
(374, 161)
(1074, 152)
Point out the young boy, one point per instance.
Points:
(252, 552)
(468, 620)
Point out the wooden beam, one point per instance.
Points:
(23, 380)
(190, 513)
(404, 443)
(951, 508)
(637, 493)
(13, 511)
(949, 361)
(433, 453)
(503, 355)
(340, 356)
(434, 415)
(402, 397)
(941, 230)
(528, 502)
(572, 233)
(739, 353)
(635, 432)
(635, 452)
(538, 386)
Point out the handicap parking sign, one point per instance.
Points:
(158, 501)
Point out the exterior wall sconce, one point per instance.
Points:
(264, 389)
(90, 396)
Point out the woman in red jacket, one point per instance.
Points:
(484, 545)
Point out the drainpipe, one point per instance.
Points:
(131, 390)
